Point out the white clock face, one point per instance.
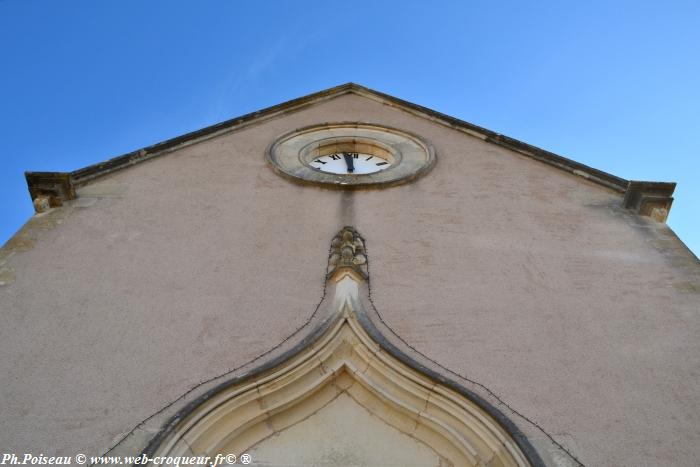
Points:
(350, 163)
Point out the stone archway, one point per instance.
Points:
(342, 398)
(344, 367)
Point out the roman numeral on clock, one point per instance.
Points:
(335, 157)
(320, 161)
(382, 163)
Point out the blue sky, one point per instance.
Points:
(613, 84)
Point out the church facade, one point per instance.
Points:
(349, 279)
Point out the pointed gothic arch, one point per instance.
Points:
(345, 356)
(344, 360)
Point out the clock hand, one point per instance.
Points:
(349, 162)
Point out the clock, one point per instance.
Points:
(350, 163)
(350, 155)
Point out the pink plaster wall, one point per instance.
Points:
(529, 280)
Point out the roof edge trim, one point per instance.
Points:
(571, 166)
(60, 186)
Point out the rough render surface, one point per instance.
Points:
(533, 282)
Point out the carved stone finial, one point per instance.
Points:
(347, 255)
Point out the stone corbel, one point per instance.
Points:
(49, 189)
(652, 199)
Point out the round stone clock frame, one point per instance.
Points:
(351, 155)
